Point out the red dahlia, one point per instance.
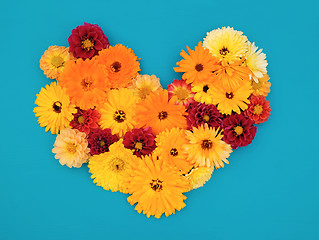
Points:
(258, 109)
(85, 120)
(87, 40)
(141, 141)
(200, 113)
(100, 140)
(239, 130)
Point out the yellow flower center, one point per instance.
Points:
(206, 118)
(258, 109)
(119, 116)
(87, 44)
(71, 147)
(162, 115)
(223, 51)
(117, 164)
(181, 93)
(207, 144)
(57, 61)
(102, 143)
(116, 66)
(138, 145)
(157, 185)
(57, 107)
(174, 152)
(144, 91)
(238, 130)
(81, 119)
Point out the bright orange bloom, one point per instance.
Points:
(121, 64)
(156, 187)
(85, 82)
(231, 75)
(160, 114)
(198, 65)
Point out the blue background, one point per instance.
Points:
(268, 191)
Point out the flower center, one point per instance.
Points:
(138, 146)
(223, 51)
(238, 130)
(207, 144)
(87, 84)
(206, 118)
(81, 119)
(57, 107)
(71, 147)
(258, 109)
(116, 66)
(57, 61)
(162, 115)
(174, 152)
(119, 116)
(87, 44)
(181, 93)
(144, 92)
(229, 95)
(205, 88)
(102, 143)
(156, 185)
(199, 67)
(117, 164)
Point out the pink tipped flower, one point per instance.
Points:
(100, 140)
(87, 40)
(258, 110)
(181, 92)
(85, 120)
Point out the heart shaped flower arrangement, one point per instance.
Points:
(143, 140)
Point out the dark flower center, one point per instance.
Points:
(116, 66)
(57, 107)
(205, 88)
(174, 152)
(224, 51)
(86, 84)
(229, 95)
(87, 44)
(118, 164)
(119, 116)
(162, 115)
(199, 67)
(207, 144)
(81, 119)
(156, 185)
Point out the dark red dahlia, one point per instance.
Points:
(258, 109)
(87, 40)
(100, 140)
(200, 113)
(85, 120)
(239, 130)
(141, 141)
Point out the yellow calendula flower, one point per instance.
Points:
(202, 93)
(54, 109)
(110, 169)
(256, 61)
(198, 176)
(143, 85)
(53, 61)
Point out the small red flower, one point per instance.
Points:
(258, 109)
(239, 130)
(100, 140)
(87, 40)
(85, 120)
(141, 141)
(181, 91)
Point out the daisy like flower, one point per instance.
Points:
(239, 130)
(143, 85)
(71, 148)
(117, 112)
(226, 44)
(87, 40)
(170, 145)
(198, 176)
(197, 66)
(157, 112)
(85, 82)
(262, 87)
(100, 140)
(110, 169)
(256, 61)
(53, 61)
(206, 147)
(258, 110)
(121, 64)
(202, 93)
(228, 101)
(181, 92)
(54, 108)
(85, 120)
(157, 189)
(140, 141)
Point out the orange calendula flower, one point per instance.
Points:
(197, 66)
(53, 61)
(85, 82)
(262, 87)
(156, 188)
(121, 64)
(157, 112)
